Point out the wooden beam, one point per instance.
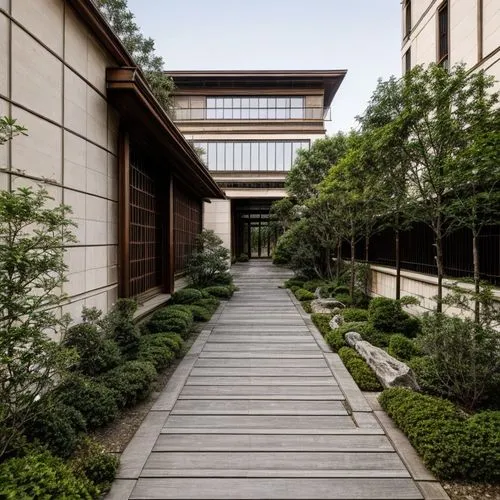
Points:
(170, 249)
(124, 213)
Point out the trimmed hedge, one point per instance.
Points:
(221, 292)
(306, 305)
(93, 400)
(243, 257)
(40, 475)
(335, 340)
(361, 373)
(354, 314)
(210, 303)
(402, 347)
(311, 285)
(387, 315)
(156, 348)
(367, 331)
(131, 382)
(452, 445)
(294, 282)
(200, 313)
(303, 294)
(175, 318)
(186, 296)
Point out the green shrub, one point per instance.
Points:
(119, 325)
(306, 305)
(93, 400)
(130, 382)
(186, 296)
(39, 475)
(361, 373)
(387, 316)
(243, 257)
(427, 377)
(326, 291)
(367, 331)
(221, 292)
(463, 358)
(345, 298)
(354, 314)
(321, 321)
(451, 445)
(341, 290)
(311, 285)
(402, 347)
(175, 318)
(335, 340)
(223, 279)
(92, 461)
(200, 313)
(156, 349)
(294, 288)
(56, 426)
(96, 353)
(294, 282)
(303, 294)
(211, 303)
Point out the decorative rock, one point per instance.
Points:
(390, 371)
(325, 306)
(336, 321)
(317, 293)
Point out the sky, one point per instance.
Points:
(362, 36)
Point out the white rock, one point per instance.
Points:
(336, 321)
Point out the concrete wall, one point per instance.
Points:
(464, 31)
(52, 80)
(217, 217)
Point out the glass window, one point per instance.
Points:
(221, 160)
(287, 157)
(271, 156)
(263, 156)
(263, 113)
(255, 156)
(246, 156)
(254, 102)
(279, 156)
(296, 102)
(236, 102)
(219, 102)
(237, 155)
(282, 103)
(210, 108)
(245, 113)
(228, 114)
(236, 114)
(262, 102)
(254, 114)
(228, 102)
(219, 114)
(212, 155)
(229, 156)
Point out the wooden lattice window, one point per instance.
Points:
(187, 225)
(146, 266)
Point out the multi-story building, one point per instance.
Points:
(248, 127)
(450, 32)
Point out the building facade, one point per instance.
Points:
(451, 32)
(99, 142)
(248, 127)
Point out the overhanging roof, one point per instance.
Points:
(329, 80)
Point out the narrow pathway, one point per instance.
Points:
(260, 409)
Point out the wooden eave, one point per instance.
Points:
(147, 120)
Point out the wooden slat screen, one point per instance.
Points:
(187, 225)
(145, 229)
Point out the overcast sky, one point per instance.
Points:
(362, 36)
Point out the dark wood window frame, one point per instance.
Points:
(407, 60)
(407, 18)
(443, 33)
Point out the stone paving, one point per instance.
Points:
(261, 409)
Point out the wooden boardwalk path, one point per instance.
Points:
(261, 409)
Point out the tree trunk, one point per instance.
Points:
(398, 266)
(477, 285)
(439, 265)
(352, 267)
(367, 258)
(339, 258)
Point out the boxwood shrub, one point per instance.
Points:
(175, 318)
(303, 294)
(186, 296)
(156, 349)
(311, 285)
(93, 400)
(220, 291)
(40, 475)
(367, 331)
(387, 315)
(200, 313)
(210, 303)
(321, 321)
(451, 444)
(354, 314)
(335, 340)
(131, 382)
(306, 305)
(294, 282)
(345, 298)
(402, 347)
(361, 373)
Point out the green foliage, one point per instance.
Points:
(367, 331)
(306, 305)
(387, 315)
(341, 290)
(209, 261)
(93, 462)
(221, 292)
(32, 271)
(335, 340)
(402, 347)
(186, 296)
(9, 128)
(243, 257)
(200, 313)
(96, 353)
(176, 319)
(311, 285)
(210, 303)
(157, 349)
(360, 371)
(39, 475)
(426, 374)
(354, 314)
(345, 298)
(451, 445)
(130, 382)
(303, 294)
(463, 357)
(119, 325)
(294, 282)
(92, 399)
(57, 427)
(223, 279)
(140, 48)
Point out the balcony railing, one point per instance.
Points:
(252, 114)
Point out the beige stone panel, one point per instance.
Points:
(112, 275)
(75, 158)
(463, 33)
(54, 192)
(491, 26)
(74, 258)
(44, 19)
(36, 76)
(96, 278)
(96, 232)
(97, 159)
(113, 212)
(76, 201)
(96, 208)
(424, 49)
(76, 42)
(112, 297)
(5, 4)
(112, 177)
(113, 128)
(97, 62)
(97, 184)
(74, 309)
(4, 181)
(112, 233)
(217, 217)
(112, 255)
(38, 154)
(75, 102)
(97, 114)
(4, 152)
(96, 257)
(75, 284)
(100, 301)
(4, 54)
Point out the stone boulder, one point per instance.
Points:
(336, 321)
(390, 371)
(325, 306)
